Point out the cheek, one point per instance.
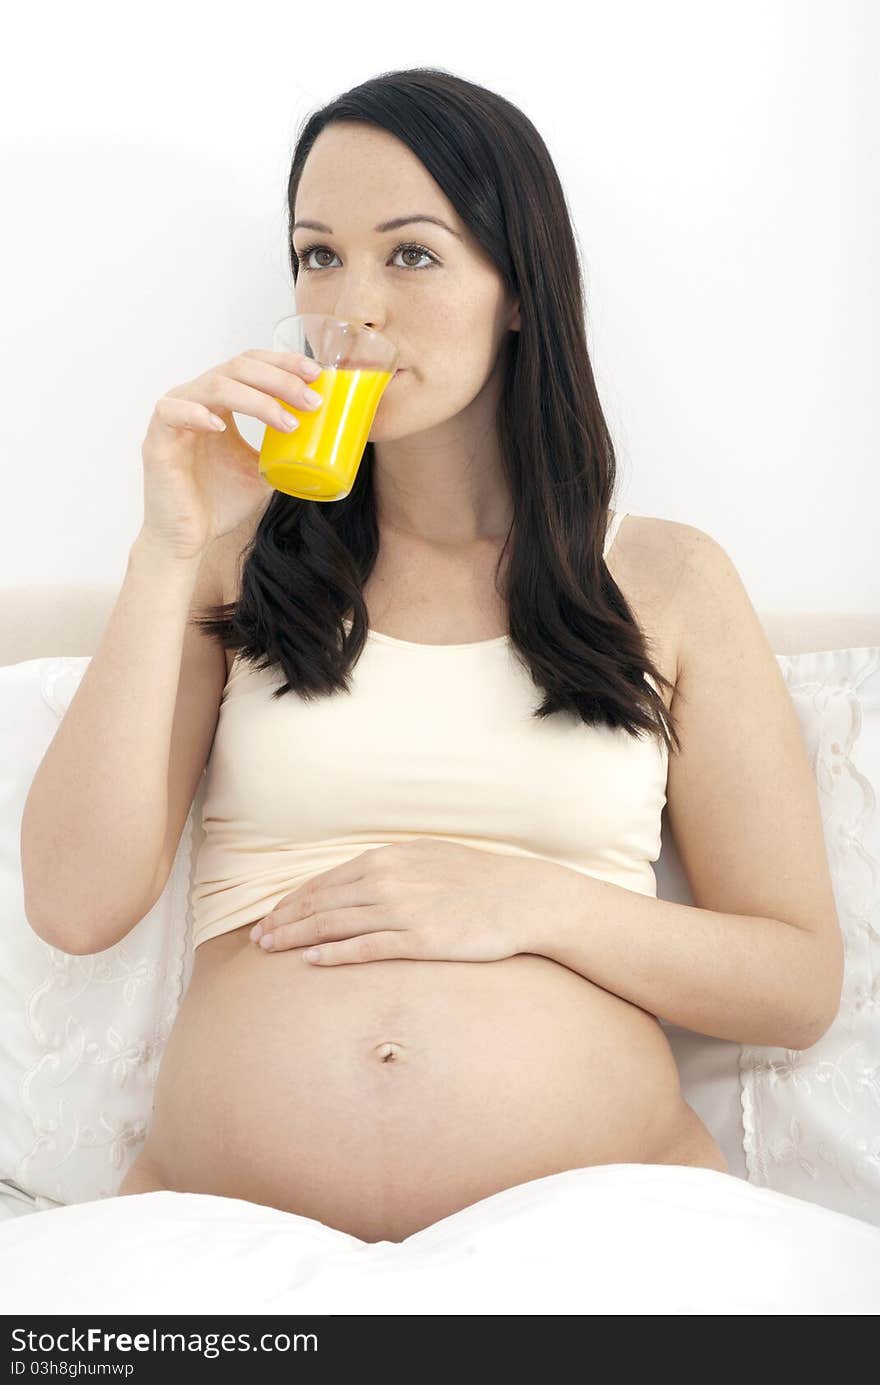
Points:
(472, 367)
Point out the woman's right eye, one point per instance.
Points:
(302, 256)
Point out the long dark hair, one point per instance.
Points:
(303, 572)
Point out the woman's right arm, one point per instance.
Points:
(94, 819)
(107, 803)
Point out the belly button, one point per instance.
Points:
(388, 1052)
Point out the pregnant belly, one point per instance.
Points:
(379, 1097)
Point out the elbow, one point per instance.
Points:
(69, 946)
(824, 1025)
(809, 1034)
(814, 1017)
(806, 1039)
(74, 943)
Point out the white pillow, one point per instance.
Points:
(812, 1117)
(84, 1036)
(807, 1123)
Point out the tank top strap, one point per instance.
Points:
(611, 532)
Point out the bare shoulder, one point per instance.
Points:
(649, 560)
(657, 548)
(710, 590)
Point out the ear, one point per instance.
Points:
(515, 324)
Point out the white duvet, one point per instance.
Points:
(612, 1238)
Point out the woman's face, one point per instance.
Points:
(433, 292)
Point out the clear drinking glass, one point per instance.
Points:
(320, 459)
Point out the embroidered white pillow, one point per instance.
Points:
(807, 1123)
(812, 1117)
(82, 1037)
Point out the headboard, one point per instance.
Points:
(40, 621)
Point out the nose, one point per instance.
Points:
(343, 314)
(375, 324)
(348, 309)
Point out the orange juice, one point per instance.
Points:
(319, 460)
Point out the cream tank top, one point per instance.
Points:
(432, 740)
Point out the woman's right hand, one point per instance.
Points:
(200, 482)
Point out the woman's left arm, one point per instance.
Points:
(751, 979)
(760, 959)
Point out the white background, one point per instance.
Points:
(720, 163)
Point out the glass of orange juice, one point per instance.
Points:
(319, 460)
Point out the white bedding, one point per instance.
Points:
(613, 1238)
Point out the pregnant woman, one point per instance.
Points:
(440, 720)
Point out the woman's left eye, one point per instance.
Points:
(303, 255)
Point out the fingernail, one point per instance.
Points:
(267, 941)
(255, 932)
(312, 369)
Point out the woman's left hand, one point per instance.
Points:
(426, 900)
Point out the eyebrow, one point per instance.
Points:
(384, 225)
